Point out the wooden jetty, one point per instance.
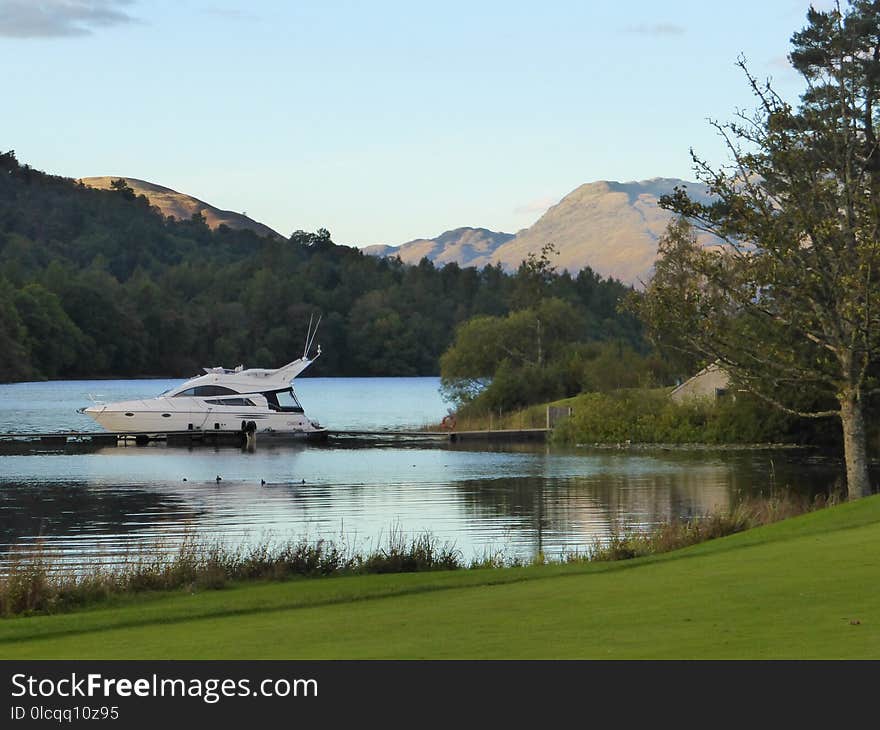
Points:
(111, 438)
(500, 435)
(85, 439)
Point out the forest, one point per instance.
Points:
(97, 283)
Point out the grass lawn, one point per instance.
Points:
(803, 588)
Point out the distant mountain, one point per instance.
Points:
(609, 226)
(465, 246)
(181, 206)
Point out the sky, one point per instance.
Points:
(382, 121)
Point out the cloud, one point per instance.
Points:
(656, 29)
(60, 18)
(231, 14)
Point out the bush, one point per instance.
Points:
(514, 388)
(649, 416)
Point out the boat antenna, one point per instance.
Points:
(308, 336)
(311, 334)
(315, 331)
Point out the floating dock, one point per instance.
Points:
(85, 439)
(501, 435)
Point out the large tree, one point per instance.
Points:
(788, 301)
(531, 339)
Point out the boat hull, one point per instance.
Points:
(145, 417)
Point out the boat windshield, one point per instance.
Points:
(283, 400)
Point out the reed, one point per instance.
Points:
(677, 534)
(529, 417)
(37, 582)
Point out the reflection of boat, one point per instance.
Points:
(221, 399)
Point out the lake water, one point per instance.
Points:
(516, 500)
(338, 403)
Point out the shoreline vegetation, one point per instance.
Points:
(648, 418)
(788, 590)
(36, 583)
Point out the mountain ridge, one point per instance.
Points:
(609, 226)
(612, 227)
(181, 205)
(463, 245)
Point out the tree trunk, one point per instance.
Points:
(855, 445)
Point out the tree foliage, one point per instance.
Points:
(99, 283)
(536, 354)
(788, 300)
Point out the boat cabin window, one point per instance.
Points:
(200, 391)
(231, 402)
(283, 400)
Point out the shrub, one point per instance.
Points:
(649, 416)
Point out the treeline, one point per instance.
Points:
(99, 283)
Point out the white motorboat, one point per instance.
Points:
(254, 399)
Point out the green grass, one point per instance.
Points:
(802, 588)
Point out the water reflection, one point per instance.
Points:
(517, 500)
(104, 502)
(30, 512)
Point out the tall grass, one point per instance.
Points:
(677, 534)
(35, 582)
(32, 582)
(529, 417)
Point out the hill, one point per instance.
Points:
(465, 246)
(611, 227)
(97, 282)
(182, 206)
